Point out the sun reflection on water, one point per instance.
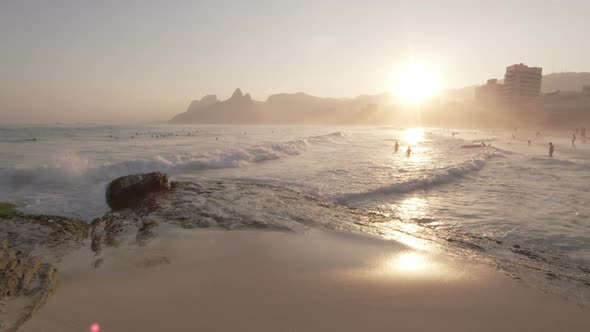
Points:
(414, 136)
(412, 208)
(410, 211)
(420, 153)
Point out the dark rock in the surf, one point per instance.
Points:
(129, 191)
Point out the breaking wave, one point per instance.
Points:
(70, 168)
(434, 178)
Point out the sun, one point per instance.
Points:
(415, 83)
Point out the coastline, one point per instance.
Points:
(187, 280)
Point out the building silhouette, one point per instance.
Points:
(488, 95)
(522, 84)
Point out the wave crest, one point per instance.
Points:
(71, 168)
(436, 177)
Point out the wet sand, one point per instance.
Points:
(268, 281)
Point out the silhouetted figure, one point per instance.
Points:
(217, 138)
(395, 147)
(573, 139)
(409, 152)
(551, 149)
(483, 144)
(529, 142)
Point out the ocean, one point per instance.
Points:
(508, 205)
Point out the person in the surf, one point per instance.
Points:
(529, 142)
(483, 144)
(551, 149)
(409, 151)
(573, 139)
(395, 147)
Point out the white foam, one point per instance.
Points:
(70, 168)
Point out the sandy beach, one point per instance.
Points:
(272, 281)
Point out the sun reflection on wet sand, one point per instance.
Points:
(410, 262)
(413, 264)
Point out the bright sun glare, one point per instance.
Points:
(415, 83)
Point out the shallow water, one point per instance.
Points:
(510, 193)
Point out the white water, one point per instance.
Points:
(510, 191)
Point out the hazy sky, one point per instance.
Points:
(145, 60)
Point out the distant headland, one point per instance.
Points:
(450, 108)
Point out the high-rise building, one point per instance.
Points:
(522, 84)
(488, 95)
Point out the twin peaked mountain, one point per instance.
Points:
(285, 108)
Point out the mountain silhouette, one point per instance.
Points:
(239, 108)
(297, 107)
(564, 82)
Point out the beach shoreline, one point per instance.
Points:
(214, 280)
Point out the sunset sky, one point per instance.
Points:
(145, 60)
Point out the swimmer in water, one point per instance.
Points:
(409, 151)
(551, 149)
(395, 147)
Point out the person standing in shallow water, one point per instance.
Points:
(550, 149)
(409, 152)
(573, 139)
(395, 147)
